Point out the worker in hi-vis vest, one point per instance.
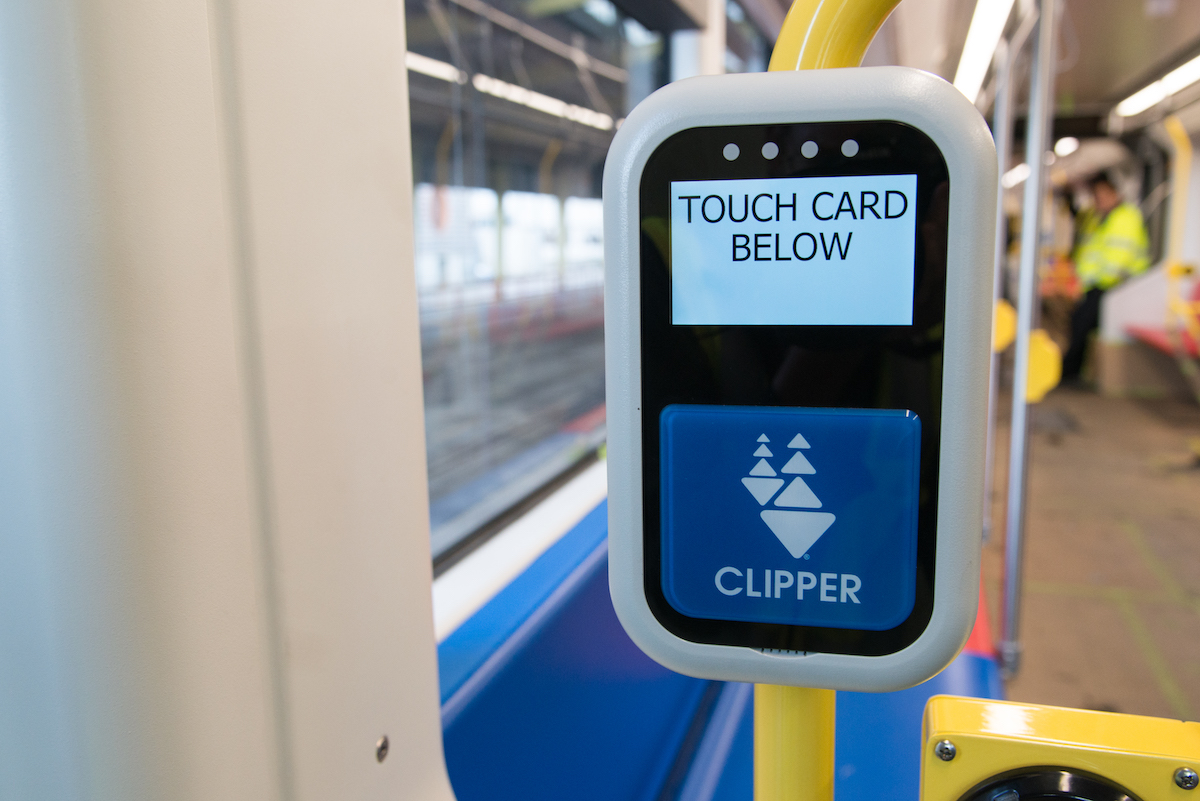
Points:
(1111, 245)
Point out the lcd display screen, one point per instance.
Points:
(830, 250)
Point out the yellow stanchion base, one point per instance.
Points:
(793, 743)
(1004, 325)
(1045, 365)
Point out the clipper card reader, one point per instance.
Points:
(797, 320)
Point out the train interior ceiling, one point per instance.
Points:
(206, 469)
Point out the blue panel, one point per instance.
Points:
(737, 781)
(790, 515)
(567, 706)
(723, 764)
(878, 737)
(546, 698)
(462, 653)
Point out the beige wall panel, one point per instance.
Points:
(193, 541)
(328, 193)
(214, 545)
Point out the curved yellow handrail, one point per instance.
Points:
(1182, 315)
(824, 34)
(1181, 147)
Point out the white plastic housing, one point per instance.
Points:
(956, 127)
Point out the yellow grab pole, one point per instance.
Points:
(1181, 167)
(824, 34)
(1181, 314)
(793, 743)
(794, 726)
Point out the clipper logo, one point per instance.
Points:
(798, 516)
(796, 530)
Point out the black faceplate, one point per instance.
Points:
(866, 367)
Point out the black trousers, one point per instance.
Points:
(1084, 320)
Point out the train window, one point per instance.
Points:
(513, 106)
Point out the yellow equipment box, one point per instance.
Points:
(980, 750)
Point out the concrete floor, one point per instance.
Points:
(1111, 612)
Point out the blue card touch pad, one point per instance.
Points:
(797, 516)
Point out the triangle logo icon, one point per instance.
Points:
(798, 531)
(762, 469)
(762, 488)
(798, 465)
(798, 495)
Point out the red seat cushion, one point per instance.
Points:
(1157, 338)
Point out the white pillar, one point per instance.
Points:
(712, 40)
(214, 553)
(700, 51)
(1037, 144)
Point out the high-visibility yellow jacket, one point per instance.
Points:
(1111, 249)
